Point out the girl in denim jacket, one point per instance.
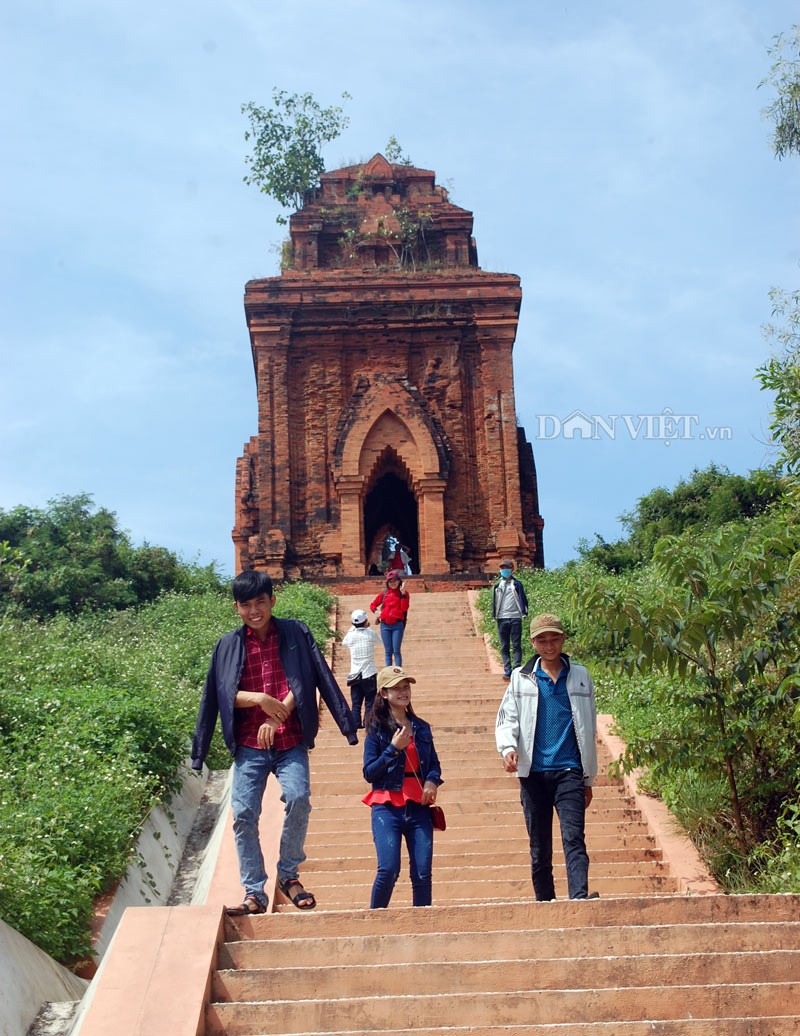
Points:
(401, 764)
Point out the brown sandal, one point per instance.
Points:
(250, 905)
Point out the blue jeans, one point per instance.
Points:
(510, 633)
(251, 767)
(390, 824)
(540, 793)
(392, 636)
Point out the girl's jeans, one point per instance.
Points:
(392, 637)
(390, 824)
(251, 767)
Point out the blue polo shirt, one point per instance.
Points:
(555, 746)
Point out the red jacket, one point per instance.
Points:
(393, 605)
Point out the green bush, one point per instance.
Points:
(311, 604)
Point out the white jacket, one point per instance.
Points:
(516, 717)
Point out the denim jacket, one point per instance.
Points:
(384, 766)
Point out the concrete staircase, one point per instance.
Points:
(486, 958)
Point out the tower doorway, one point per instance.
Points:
(390, 510)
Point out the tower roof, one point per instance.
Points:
(380, 214)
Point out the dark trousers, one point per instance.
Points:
(540, 794)
(362, 694)
(510, 633)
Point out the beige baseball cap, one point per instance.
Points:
(392, 675)
(546, 623)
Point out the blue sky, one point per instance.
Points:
(614, 155)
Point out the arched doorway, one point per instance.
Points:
(390, 509)
(412, 504)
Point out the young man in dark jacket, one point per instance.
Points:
(262, 683)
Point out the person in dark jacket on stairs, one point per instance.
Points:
(262, 683)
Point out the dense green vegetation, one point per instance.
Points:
(706, 500)
(69, 557)
(96, 713)
(696, 653)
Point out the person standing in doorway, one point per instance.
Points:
(393, 603)
(262, 683)
(509, 608)
(545, 734)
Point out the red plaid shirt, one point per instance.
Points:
(263, 673)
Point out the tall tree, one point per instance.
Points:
(781, 373)
(286, 160)
(708, 499)
(784, 78)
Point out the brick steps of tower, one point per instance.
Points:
(486, 959)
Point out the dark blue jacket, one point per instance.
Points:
(306, 670)
(384, 766)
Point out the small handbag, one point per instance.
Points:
(437, 813)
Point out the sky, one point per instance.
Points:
(614, 155)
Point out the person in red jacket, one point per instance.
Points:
(393, 603)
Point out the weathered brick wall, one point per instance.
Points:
(367, 372)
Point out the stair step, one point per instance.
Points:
(502, 975)
(335, 897)
(332, 839)
(786, 1025)
(510, 944)
(533, 1007)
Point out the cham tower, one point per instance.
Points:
(383, 366)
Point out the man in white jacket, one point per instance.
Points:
(545, 734)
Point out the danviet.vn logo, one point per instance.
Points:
(666, 427)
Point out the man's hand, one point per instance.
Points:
(510, 762)
(266, 735)
(587, 793)
(273, 708)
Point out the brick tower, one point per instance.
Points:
(383, 367)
